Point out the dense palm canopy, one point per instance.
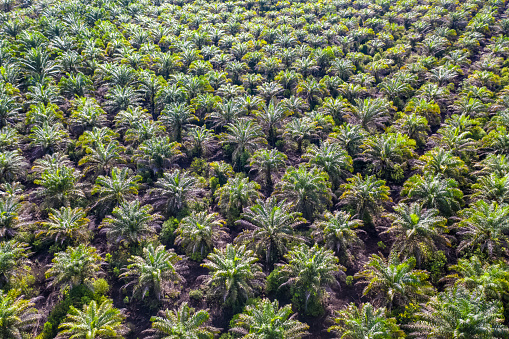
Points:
(281, 137)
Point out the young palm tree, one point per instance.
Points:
(17, 316)
(199, 232)
(307, 189)
(331, 158)
(270, 118)
(12, 166)
(156, 272)
(67, 224)
(267, 163)
(174, 191)
(270, 228)
(492, 188)
(183, 323)
(93, 322)
(365, 321)
(102, 158)
(244, 136)
(369, 113)
(267, 320)
(13, 259)
(365, 195)
(433, 191)
(130, 223)
(234, 274)
(309, 271)
(300, 129)
(441, 162)
(393, 282)
(491, 279)
(484, 226)
(60, 186)
(238, 193)
(75, 266)
(338, 232)
(157, 154)
(11, 217)
(120, 186)
(417, 231)
(458, 313)
(175, 117)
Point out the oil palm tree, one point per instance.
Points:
(60, 186)
(234, 276)
(331, 158)
(458, 313)
(12, 165)
(157, 154)
(393, 283)
(184, 322)
(267, 163)
(155, 272)
(369, 113)
(307, 189)
(491, 279)
(236, 194)
(417, 231)
(434, 191)
(365, 195)
(199, 232)
(93, 322)
(120, 186)
(365, 322)
(484, 226)
(243, 136)
(13, 260)
(77, 265)
(338, 232)
(175, 191)
(130, 223)
(67, 224)
(309, 270)
(270, 228)
(18, 316)
(267, 320)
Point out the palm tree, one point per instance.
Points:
(331, 158)
(60, 186)
(130, 223)
(365, 321)
(244, 136)
(309, 271)
(199, 232)
(234, 274)
(365, 195)
(270, 118)
(442, 162)
(307, 189)
(182, 323)
(417, 231)
(175, 117)
(113, 190)
(388, 153)
(158, 153)
(13, 260)
(17, 316)
(492, 188)
(267, 163)
(393, 282)
(299, 130)
(267, 320)
(12, 165)
(458, 313)
(175, 191)
(238, 193)
(491, 279)
(484, 226)
(270, 228)
(200, 141)
(433, 191)
(102, 158)
(10, 216)
(93, 322)
(338, 232)
(67, 224)
(156, 272)
(369, 113)
(76, 266)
